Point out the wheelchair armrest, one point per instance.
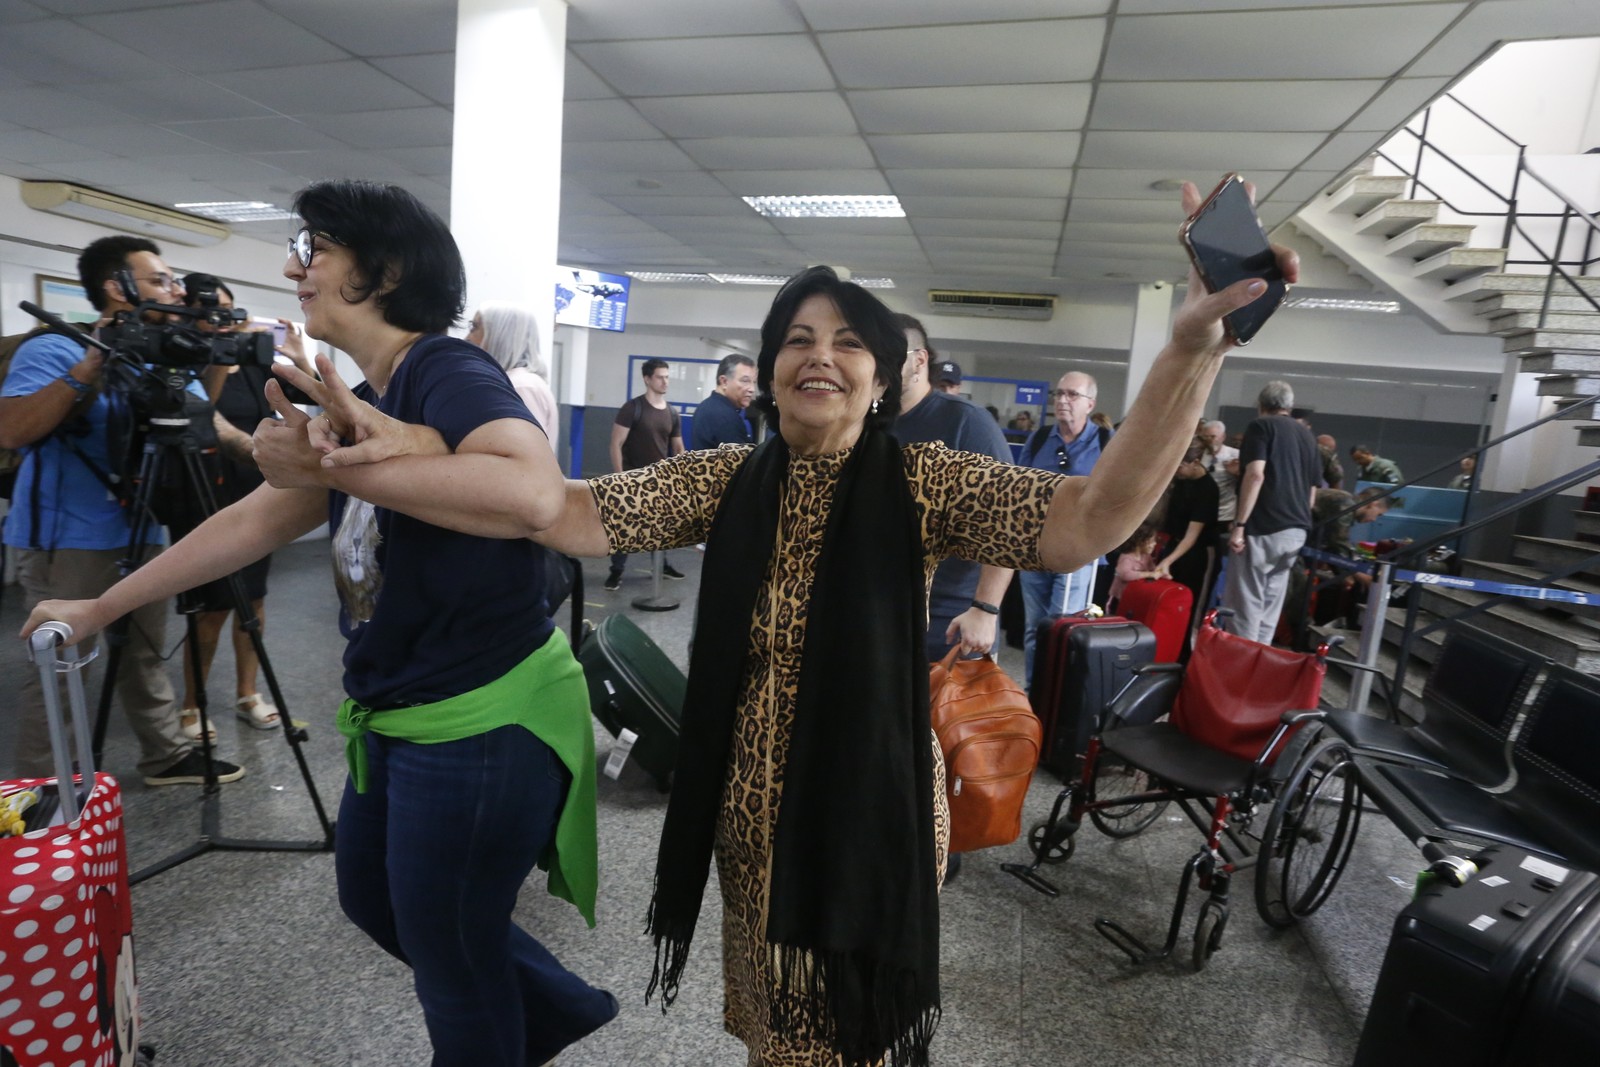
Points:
(1146, 697)
(1290, 718)
(1355, 665)
(1158, 668)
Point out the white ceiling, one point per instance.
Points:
(1023, 144)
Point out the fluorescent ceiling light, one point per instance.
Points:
(827, 207)
(668, 276)
(738, 279)
(750, 279)
(1328, 303)
(239, 211)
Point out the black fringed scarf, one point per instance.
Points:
(853, 920)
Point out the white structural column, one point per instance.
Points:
(1152, 322)
(505, 168)
(1508, 469)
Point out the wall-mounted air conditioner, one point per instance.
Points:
(1037, 306)
(120, 213)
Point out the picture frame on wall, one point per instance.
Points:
(64, 297)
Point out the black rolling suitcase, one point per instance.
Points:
(637, 693)
(1079, 664)
(1501, 972)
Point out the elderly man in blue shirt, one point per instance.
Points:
(1071, 446)
(720, 419)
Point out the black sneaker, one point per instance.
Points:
(613, 581)
(191, 770)
(669, 571)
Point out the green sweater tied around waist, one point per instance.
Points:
(547, 695)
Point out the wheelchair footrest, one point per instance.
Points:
(1030, 877)
(1137, 950)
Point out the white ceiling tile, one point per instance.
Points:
(1089, 268)
(337, 163)
(957, 207)
(95, 7)
(845, 227)
(605, 120)
(430, 161)
(18, 11)
(855, 15)
(315, 88)
(581, 82)
(28, 172)
(749, 114)
(770, 153)
(57, 52)
(976, 149)
(576, 203)
(1491, 22)
(833, 182)
(746, 227)
(272, 134)
(1321, 43)
(1149, 7)
(708, 65)
(1061, 50)
(44, 108)
(640, 156)
(1302, 186)
(1088, 209)
(1197, 152)
(32, 146)
(254, 37)
(221, 167)
(659, 183)
(106, 171)
(1159, 232)
(1342, 150)
(605, 224)
(416, 127)
(927, 227)
(961, 181)
(1295, 105)
(132, 141)
(604, 19)
(972, 108)
(175, 97)
(1401, 100)
(174, 191)
(1008, 260)
(1021, 246)
(433, 75)
(646, 206)
(1122, 250)
(405, 27)
(888, 245)
(1120, 183)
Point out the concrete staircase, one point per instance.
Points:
(1400, 244)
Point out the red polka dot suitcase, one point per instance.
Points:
(68, 997)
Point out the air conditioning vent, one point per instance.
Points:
(1036, 306)
(120, 213)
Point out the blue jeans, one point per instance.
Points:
(430, 860)
(1046, 593)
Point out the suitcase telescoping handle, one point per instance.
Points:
(45, 648)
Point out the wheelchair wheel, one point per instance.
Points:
(1115, 777)
(1208, 932)
(1309, 836)
(1052, 852)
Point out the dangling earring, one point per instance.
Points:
(875, 402)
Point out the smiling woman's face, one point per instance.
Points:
(824, 380)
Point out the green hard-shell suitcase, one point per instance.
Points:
(633, 686)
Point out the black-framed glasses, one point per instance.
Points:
(302, 246)
(1070, 394)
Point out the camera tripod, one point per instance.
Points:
(170, 439)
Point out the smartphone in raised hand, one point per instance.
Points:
(1226, 243)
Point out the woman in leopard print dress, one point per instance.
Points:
(830, 371)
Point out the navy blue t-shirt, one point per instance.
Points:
(719, 421)
(430, 613)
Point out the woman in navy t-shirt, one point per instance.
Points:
(467, 723)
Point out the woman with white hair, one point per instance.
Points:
(511, 335)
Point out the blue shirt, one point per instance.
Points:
(446, 612)
(1081, 455)
(719, 421)
(75, 509)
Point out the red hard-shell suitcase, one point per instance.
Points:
(1079, 664)
(66, 920)
(1163, 605)
(1501, 972)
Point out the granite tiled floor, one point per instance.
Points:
(245, 960)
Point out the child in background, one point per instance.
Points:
(1137, 561)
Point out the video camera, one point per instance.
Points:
(185, 344)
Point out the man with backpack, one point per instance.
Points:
(646, 429)
(1071, 446)
(68, 526)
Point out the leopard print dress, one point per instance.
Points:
(967, 505)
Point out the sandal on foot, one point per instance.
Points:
(189, 723)
(257, 712)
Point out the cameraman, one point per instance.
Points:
(67, 525)
(238, 392)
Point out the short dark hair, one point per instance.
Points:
(105, 257)
(1361, 448)
(651, 366)
(194, 283)
(911, 322)
(725, 368)
(406, 259)
(864, 313)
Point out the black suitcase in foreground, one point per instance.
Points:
(1079, 664)
(1501, 972)
(634, 687)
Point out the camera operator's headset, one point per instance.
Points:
(130, 288)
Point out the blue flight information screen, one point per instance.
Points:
(591, 299)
